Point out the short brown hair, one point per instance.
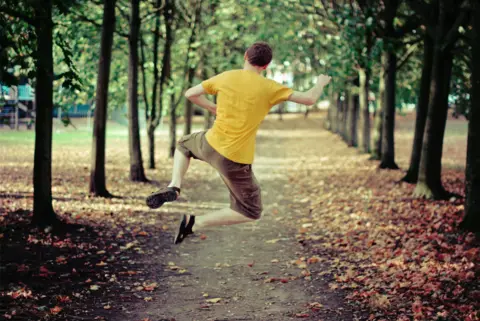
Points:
(259, 54)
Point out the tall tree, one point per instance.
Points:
(165, 81)
(471, 220)
(97, 172)
(421, 111)
(391, 46)
(137, 173)
(155, 115)
(378, 125)
(43, 212)
(152, 119)
(451, 16)
(188, 104)
(39, 16)
(364, 76)
(352, 120)
(190, 67)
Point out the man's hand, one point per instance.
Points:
(311, 96)
(197, 96)
(323, 80)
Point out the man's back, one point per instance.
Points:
(244, 98)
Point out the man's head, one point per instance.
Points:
(259, 55)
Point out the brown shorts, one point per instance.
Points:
(245, 193)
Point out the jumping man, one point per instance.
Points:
(244, 98)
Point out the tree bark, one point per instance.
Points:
(377, 135)
(189, 104)
(471, 221)
(364, 90)
(429, 183)
(327, 124)
(173, 125)
(137, 173)
(339, 119)
(98, 185)
(352, 138)
(421, 113)
(346, 106)
(166, 75)
(43, 213)
(151, 117)
(388, 132)
(334, 112)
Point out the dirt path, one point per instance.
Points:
(237, 263)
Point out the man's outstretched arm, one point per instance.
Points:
(311, 96)
(197, 96)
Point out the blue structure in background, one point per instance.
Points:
(76, 111)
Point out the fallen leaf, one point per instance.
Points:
(302, 315)
(94, 287)
(148, 299)
(150, 286)
(55, 310)
(215, 300)
(107, 307)
(63, 298)
(203, 237)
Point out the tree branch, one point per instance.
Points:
(406, 57)
(452, 34)
(83, 18)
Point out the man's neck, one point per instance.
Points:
(249, 67)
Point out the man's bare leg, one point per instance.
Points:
(180, 167)
(224, 216)
(170, 194)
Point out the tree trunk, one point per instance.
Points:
(188, 104)
(339, 120)
(388, 140)
(352, 138)
(173, 125)
(166, 75)
(137, 173)
(334, 112)
(421, 113)
(43, 213)
(97, 173)
(280, 109)
(144, 74)
(377, 135)
(346, 106)
(429, 183)
(152, 116)
(327, 124)
(471, 220)
(364, 90)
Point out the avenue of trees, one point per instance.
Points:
(145, 53)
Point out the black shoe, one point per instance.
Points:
(189, 227)
(168, 194)
(180, 235)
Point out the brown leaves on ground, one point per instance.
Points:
(403, 257)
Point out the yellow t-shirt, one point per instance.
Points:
(244, 98)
